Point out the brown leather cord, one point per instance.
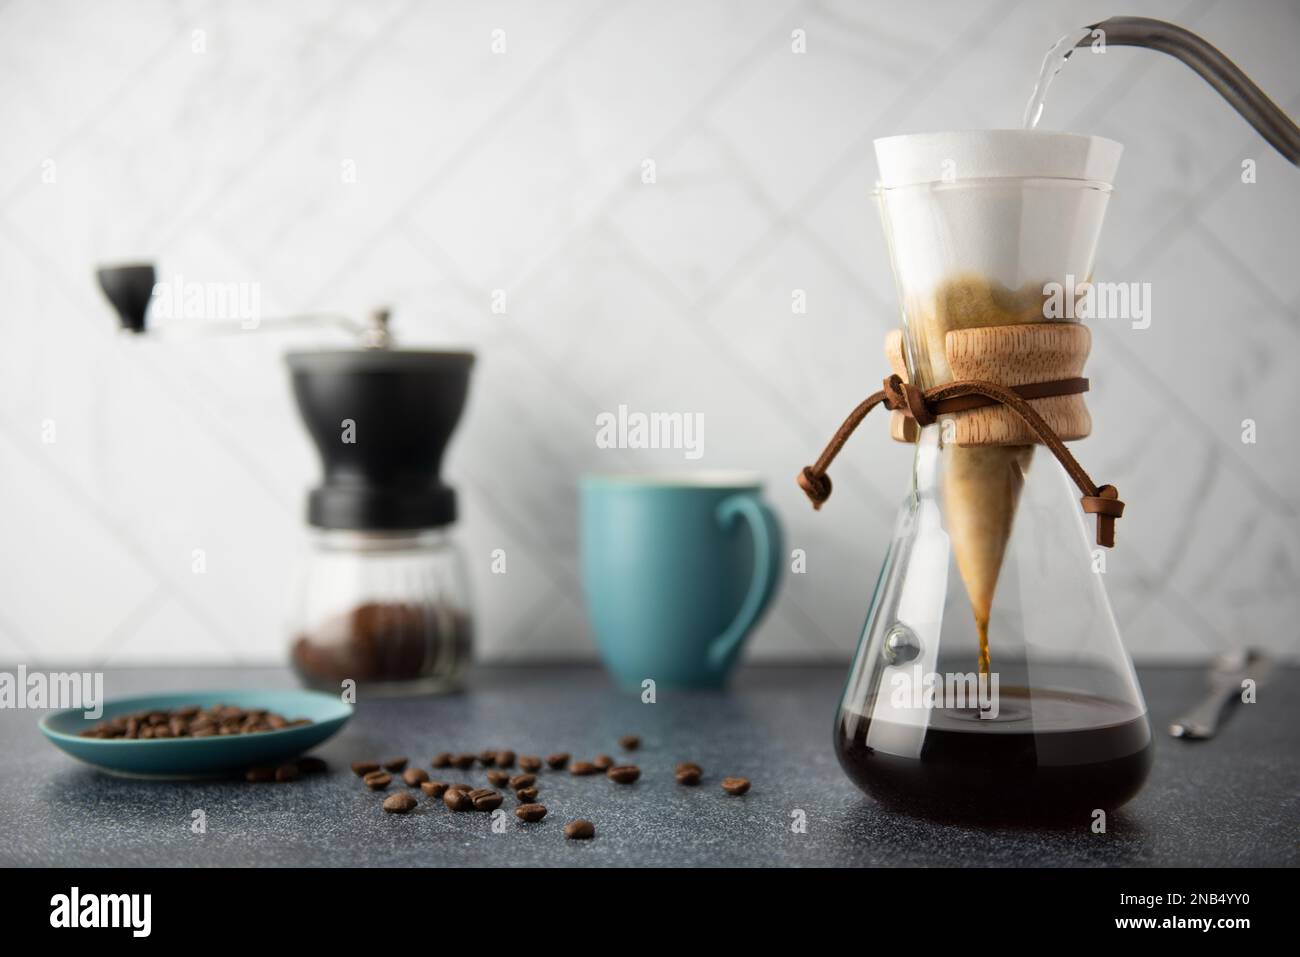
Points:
(924, 406)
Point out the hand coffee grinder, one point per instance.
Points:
(383, 596)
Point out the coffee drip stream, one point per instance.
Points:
(382, 598)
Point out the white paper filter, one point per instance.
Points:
(1011, 205)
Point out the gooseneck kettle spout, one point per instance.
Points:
(1213, 67)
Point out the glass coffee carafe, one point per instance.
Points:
(990, 680)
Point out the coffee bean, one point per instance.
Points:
(259, 775)
(583, 768)
(579, 830)
(526, 794)
(457, 800)
(602, 762)
(378, 780)
(362, 768)
(488, 758)
(557, 761)
(735, 785)
(460, 787)
(414, 777)
(523, 781)
(688, 776)
(191, 721)
(480, 792)
(399, 803)
(442, 759)
(506, 759)
(689, 766)
(310, 764)
(498, 778)
(435, 789)
(487, 802)
(629, 742)
(623, 773)
(530, 812)
(529, 762)
(287, 772)
(464, 761)
(394, 764)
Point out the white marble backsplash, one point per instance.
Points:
(349, 154)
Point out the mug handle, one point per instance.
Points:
(765, 528)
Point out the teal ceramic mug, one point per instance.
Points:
(677, 571)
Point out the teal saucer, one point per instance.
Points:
(200, 757)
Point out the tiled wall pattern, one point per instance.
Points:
(521, 171)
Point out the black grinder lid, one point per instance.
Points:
(381, 420)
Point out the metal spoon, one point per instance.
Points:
(1227, 672)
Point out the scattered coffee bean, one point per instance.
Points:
(442, 759)
(506, 759)
(460, 787)
(688, 776)
(529, 762)
(689, 766)
(623, 773)
(394, 764)
(487, 802)
(259, 775)
(191, 721)
(602, 762)
(457, 800)
(362, 768)
(310, 764)
(523, 781)
(579, 830)
(530, 812)
(583, 768)
(378, 780)
(414, 777)
(464, 761)
(557, 761)
(735, 785)
(498, 778)
(435, 789)
(399, 803)
(526, 794)
(629, 742)
(488, 758)
(287, 772)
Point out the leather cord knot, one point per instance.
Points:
(816, 486)
(923, 407)
(904, 397)
(1107, 507)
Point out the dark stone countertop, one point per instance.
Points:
(1227, 802)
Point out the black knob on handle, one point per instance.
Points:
(129, 288)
